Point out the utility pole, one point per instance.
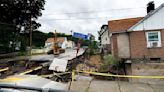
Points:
(30, 34)
(72, 38)
(56, 50)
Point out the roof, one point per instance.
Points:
(103, 26)
(147, 16)
(122, 25)
(59, 39)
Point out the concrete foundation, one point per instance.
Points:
(146, 69)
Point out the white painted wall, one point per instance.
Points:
(155, 21)
(105, 39)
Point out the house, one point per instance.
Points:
(91, 37)
(139, 37)
(68, 44)
(120, 46)
(104, 38)
(49, 43)
(62, 43)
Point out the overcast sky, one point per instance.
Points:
(87, 16)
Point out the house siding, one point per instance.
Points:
(155, 21)
(105, 38)
(138, 46)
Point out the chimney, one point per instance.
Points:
(150, 6)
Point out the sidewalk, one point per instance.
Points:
(113, 86)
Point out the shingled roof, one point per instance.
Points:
(122, 25)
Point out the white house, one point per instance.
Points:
(104, 37)
(62, 43)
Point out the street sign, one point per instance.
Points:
(80, 35)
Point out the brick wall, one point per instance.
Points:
(138, 46)
(114, 47)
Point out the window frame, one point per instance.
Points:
(149, 43)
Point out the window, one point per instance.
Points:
(153, 39)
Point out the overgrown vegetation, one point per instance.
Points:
(108, 60)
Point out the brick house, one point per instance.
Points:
(120, 37)
(139, 37)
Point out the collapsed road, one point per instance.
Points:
(39, 65)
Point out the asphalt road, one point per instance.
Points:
(69, 54)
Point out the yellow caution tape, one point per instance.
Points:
(73, 75)
(12, 79)
(51, 75)
(125, 76)
(37, 68)
(5, 69)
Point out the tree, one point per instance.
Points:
(22, 14)
(39, 39)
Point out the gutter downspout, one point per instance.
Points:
(129, 44)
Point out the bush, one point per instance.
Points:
(109, 60)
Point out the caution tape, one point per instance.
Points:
(5, 69)
(51, 75)
(123, 76)
(14, 79)
(37, 68)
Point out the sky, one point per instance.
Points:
(87, 16)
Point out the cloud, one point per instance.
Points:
(87, 16)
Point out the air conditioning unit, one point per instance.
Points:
(154, 44)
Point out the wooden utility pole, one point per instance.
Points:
(55, 51)
(30, 36)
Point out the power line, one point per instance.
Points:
(98, 18)
(87, 12)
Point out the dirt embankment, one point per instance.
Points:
(93, 64)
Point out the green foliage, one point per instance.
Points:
(39, 39)
(6, 35)
(19, 12)
(92, 47)
(109, 60)
(15, 15)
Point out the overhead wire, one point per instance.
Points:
(95, 18)
(88, 12)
